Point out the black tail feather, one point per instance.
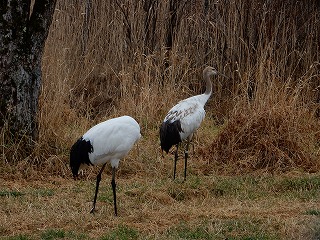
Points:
(170, 134)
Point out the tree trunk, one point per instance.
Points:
(22, 40)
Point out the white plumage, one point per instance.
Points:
(105, 142)
(112, 139)
(184, 119)
(190, 112)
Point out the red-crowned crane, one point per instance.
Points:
(184, 119)
(108, 141)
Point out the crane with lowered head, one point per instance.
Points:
(108, 141)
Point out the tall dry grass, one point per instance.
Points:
(139, 58)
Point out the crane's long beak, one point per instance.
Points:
(221, 74)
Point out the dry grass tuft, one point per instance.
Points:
(275, 139)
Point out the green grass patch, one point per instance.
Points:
(313, 212)
(122, 232)
(183, 231)
(299, 184)
(43, 192)
(8, 193)
(245, 229)
(194, 182)
(19, 237)
(241, 187)
(254, 188)
(52, 234)
(304, 188)
(104, 196)
(237, 229)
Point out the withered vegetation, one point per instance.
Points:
(139, 58)
(274, 140)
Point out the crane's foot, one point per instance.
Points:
(92, 210)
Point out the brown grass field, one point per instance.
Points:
(254, 169)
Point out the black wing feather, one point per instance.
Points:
(170, 134)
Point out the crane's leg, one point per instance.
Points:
(113, 184)
(175, 162)
(186, 155)
(97, 188)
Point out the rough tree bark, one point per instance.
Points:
(23, 31)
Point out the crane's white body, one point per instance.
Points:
(190, 112)
(112, 140)
(105, 142)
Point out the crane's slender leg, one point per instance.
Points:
(113, 184)
(186, 155)
(97, 188)
(175, 162)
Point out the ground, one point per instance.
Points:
(203, 207)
